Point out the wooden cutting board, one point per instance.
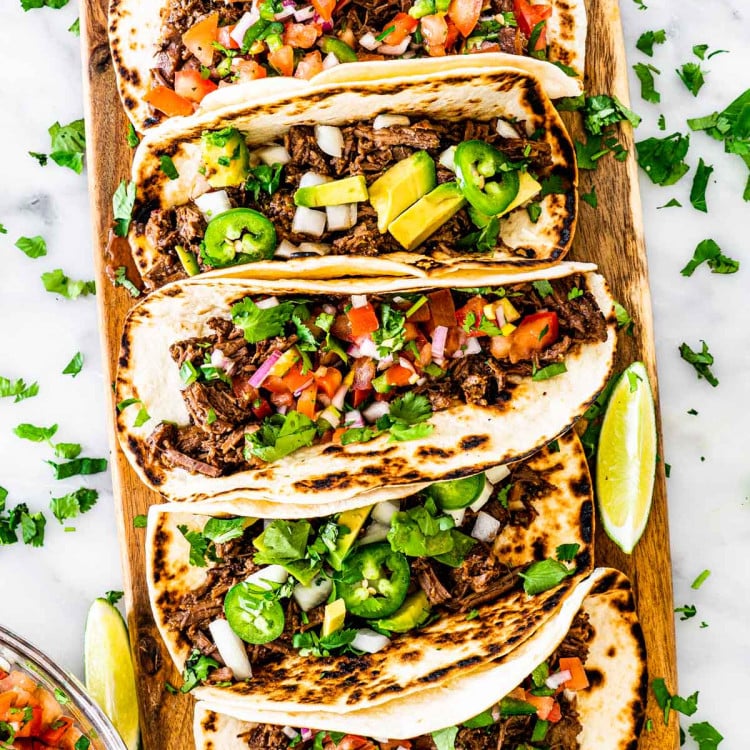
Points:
(611, 235)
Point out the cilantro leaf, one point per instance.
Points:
(485, 239)
(122, 207)
(672, 203)
(543, 288)
(590, 198)
(32, 247)
(222, 530)
(663, 158)
(68, 144)
(75, 27)
(445, 739)
(261, 323)
(550, 371)
(132, 138)
(167, 166)
(701, 361)
(391, 333)
(74, 503)
(279, 435)
(57, 282)
(41, 158)
(705, 735)
(55, 4)
(691, 74)
(121, 279)
(700, 183)
(74, 366)
(543, 575)
(648, 39)
(645, 74)
(411, 408)
(686, 611)
(198, 546)
(140, 521)
(707, 251)
(601, 111)
(196, 670)
(17, 388)
(114, 596)
(78, 466)
(623, 318)
(567, 552)
(67, 450)
(33, 433)
(264, 178)
(32, 528)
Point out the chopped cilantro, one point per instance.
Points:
(74, 366)
(17, 388)
(196, 670)
(534, 210)
(552, 184)
(279, 435)
(700, 580)
(672, 203)
(41, 158)
(75, 27)
(602, 111)
(648, 39)
(645, 74)
(67, 450)
(705, 735)
(701, 361)
(68, 144)
(55, 4)
(32, 528)
(623, 319)
(121, 279)
(700, 183)
(663, 158)
(261, 323)
(590, 198)
(114, 596)
(691, 75)
(57, 282)
(550, 371)
(123, 201)
(74, 503)
(78, 466)
(33, 433)
(140, 521)
(32, 247)
(132, 138)
(445, 739)
(707, 251)
(167, 166)
(662, 122)
(567, 552)
(543, 575)
(543, 288)
(686, 612)
(264, 177)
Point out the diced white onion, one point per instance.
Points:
(290, 732)
(369, 42)
(359, 300)
(284, 13)
(331, 415)
(389, 121)
(220, 360)
(448, 158)
(456, 515)
(341, 217)
(395, 49)
(374, 411)
(330, 61)
(555, 680)
(485, 527)
(505, 129)
(375, 532)
(273, 155)
(304, 14)
(309, 597)
(367, 347)
(311, 179)
(473, 346)
(500, 316)
(286, 249)
(4, 664)
(271, 573)
(213, 203)
(497, 473)
(247, 20)
(353, 418)
(385, 362)
(330, 140)
(384, 512)
(369, 641)
(485, 495)
(268, 302)
(231, 648)
(319, 248)
(308, 221)
(339, 396)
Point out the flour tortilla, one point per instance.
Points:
(481, 94)
(465, 439)
(611, 710)
(451, 646)
(135, 28)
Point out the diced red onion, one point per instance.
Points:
(306, 733)
(330, 61)
(330, 139)
(369, 42)
(369, 641)
(213, 203)
(273, 154)
(484, 496)
(376, 410)
(282, 410)
(395, 49)
(555, 680)
(500, 316)
(404, 362)
(330, 309)
(473, 346)
(485, 527)
(353, 418)
(319, 248)
(311, 179)
(389, 121)
(290, 732)
(439, 336)
(267, 303)
(286, 249)
(339, 396)
(367, 347)
(231, 648)
(359, 300)
(353, 351)
(262, 372)
(385, 363)
(302, 387)
(505, 129)
(331, 415)
(304, 14)
(384, 512)
(325, 26)
(421, 381)
(285, 13)
(247, 20)
(221, 361)
(497, 473)
(341, 217)
(308, 221)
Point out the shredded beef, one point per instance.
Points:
(202, 399)
(190, 224)
(266, 737)
(301, 144)
(480, 378)
(479, 569)
(429, 581)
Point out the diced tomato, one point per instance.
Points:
(403, 25)
(543, 704)
(224, 38)
(70, 738)
(51, 709)
(6, 701)
(262, 410)
(578, 679)
(52, 736)
(282, 60)
(500, 346)
(275, 385)
(200, 36)
(301, 35)
(395, 744)
(33, 727)
(310, 65)
(465, 14)
(306, 401)
(248, 70)
(534, 333)
(555, 714)
(243, 390)
(337, 433)
(352, 742)
(168, 102)
(363, 320)
(192, 85)
(442, 309)
(360, 396)
(295, 379)
(435, 33)
(324, 8)
(470, 316)
(529, 15)
(398, 375)
(453, 34)
(328, 380)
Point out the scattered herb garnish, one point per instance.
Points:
(57, 282)
(78, 466)
(701, 361)
(645, 73)
(691, 74)
(663, 158)
(672, 203)
(114, 596)
(167, 166)
(700, 183)
(140, 521)
(648, 39)
(590, 198)
(686, 612)
(700, 580)
(196, 670)
(75, 27)
(68, 144)
(122, 207)
(74, 366)
(73, 504)
(55, 4)
(132, 138)
(121, 279)
(707, 251)
(32, 247)
(543, 575)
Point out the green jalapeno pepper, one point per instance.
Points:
(486, 177)
(255, 616)
(457, 493)
(375, 581)
(341, 50)
(239, 235)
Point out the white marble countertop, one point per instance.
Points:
(45, 593)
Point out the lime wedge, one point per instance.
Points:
(108, 664)
(626, 458)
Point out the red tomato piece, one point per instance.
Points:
(403, 25)
(306, 401)
(465, 14)
(295, 379)
(363, 320)
(328, 380)
(529, 15)
(534, 333)
(200, 36)
(398, 375)
(52, 736)
(555, 714)
(262, 410)
(359, 397)
(191, 85)
(168, 102)
(470, 316)
(543, 704)
(248, 70)
(301, 35)
(434, 31)
(310, 65)
(578, 679)
(224, 38)
(324, 8)
(282, 60)
(453, 34)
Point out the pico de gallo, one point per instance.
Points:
(352, 582)
(282, 373)
(206, 44)
(34, 718)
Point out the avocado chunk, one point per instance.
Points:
(354, 520)
(225, 157)
(333, 617)
(411, 614)
(427, 215)
(401, 186)
(335, 193)
(528, 187)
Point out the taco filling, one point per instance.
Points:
(280, 374)
(206, 44)
(389, 186)
(351, 583)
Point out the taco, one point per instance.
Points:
(172, 57)
(379, 601)
(415, 175)
(599, 707)
(233, 391)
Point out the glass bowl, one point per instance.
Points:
(89, 718)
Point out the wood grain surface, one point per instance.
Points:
(610, 235)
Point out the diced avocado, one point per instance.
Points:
(354, 520)
(225, 157)
(411, 614)
(333, 617)
(401, 186)
(335, 193)
(528, 187)
(188, 260)
(427, 215)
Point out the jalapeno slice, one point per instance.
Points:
(374, 582)
(342, 51)
(486, 177)
(239, 235)
(252, 614)
(457, 493)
